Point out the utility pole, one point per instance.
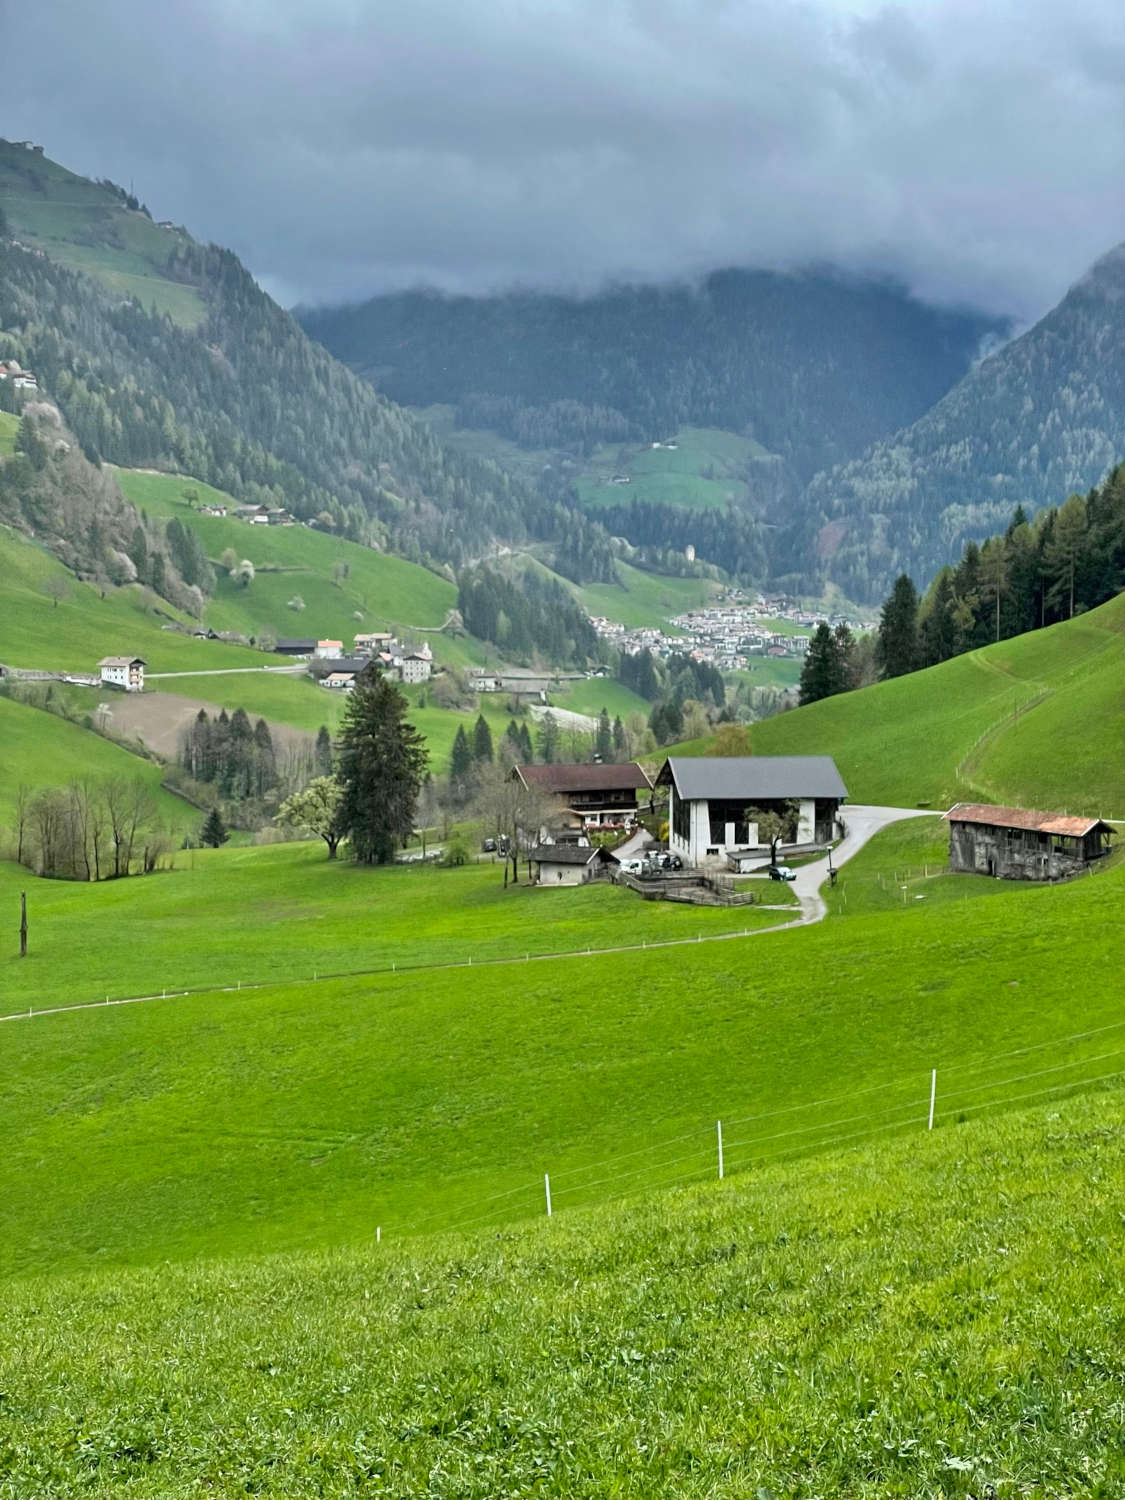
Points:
(23, 924)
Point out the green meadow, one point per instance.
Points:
(302, 1114)
(284, 911)
(86, 228)
(707, 470)
(384, 591)
(39, 750)
(938, 1315)
(1038, 721)
(641, 599)
(9, 426)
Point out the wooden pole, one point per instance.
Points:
(23, 924)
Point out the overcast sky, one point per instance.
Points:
(973, 147)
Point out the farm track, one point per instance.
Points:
(862, 824)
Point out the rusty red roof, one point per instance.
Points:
(1019, 817)
(561, 779)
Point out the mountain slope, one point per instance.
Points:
(240, 397)
(1043, 417)
(813, 366)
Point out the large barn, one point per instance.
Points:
(1014, 843)
(712, 800)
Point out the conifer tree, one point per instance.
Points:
(381, 766)
(323, 752)
(214, 831)
(824, 672)
(460, 763)
(898, 630)
(620, 740)
(549, 738)
(603, 742)
(482, 741)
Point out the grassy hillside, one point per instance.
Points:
(706, 470)
(645, 598)
(83, 624)
(1037, 721)
(303, 1114)
(937, 1316)
(88, 228)
(41, 750)
(9, 426)
(294, 560)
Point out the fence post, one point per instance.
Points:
(933, 1097)
(547, 1190)
(378, 1233)
(719, 1132)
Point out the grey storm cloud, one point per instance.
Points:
(974, 149)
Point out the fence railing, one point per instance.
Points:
(733, 1145)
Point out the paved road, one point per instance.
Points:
(228, 671)
(862, 823)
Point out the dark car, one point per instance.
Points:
(782, 872)
(488, 846)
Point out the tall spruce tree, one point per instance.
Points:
(460, 763)
(323, 754)
(214, 831)
(603, 743)
(824, 672)
(381, 766)
(897, 647)
(482, 742)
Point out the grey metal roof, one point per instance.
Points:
(757, 778)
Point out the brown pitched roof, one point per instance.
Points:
(572, 854)
(560, 779)
(1018, 817)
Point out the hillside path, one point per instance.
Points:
(228, 671)
(862, 823)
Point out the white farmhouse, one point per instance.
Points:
(126, 672)
(712, 800)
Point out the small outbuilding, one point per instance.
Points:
(1015, 843)
(572, 864)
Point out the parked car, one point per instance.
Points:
(488, 846)
(782, 872)
(633, 866)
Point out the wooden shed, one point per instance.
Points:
(1014, 843)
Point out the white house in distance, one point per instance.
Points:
(416, 666)
(329, 648)
(126, 672)
(709, 798)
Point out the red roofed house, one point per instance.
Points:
(1015, 844)
(593, 793)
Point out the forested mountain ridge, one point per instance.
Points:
(243, 399)
(1041, 418)
(814, 366)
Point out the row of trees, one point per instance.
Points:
(1067, 560)
(89, 830)
(237, 758)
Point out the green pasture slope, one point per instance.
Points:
(641, 599)
(1038, 721)
(88, 229)
(302, 1114)
(707, 470)
(84, 625)
(938, 1316)
(38, 750)
(386, 591)
(9, 426)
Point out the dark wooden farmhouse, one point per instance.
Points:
(593, 794)
(1015, 844)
